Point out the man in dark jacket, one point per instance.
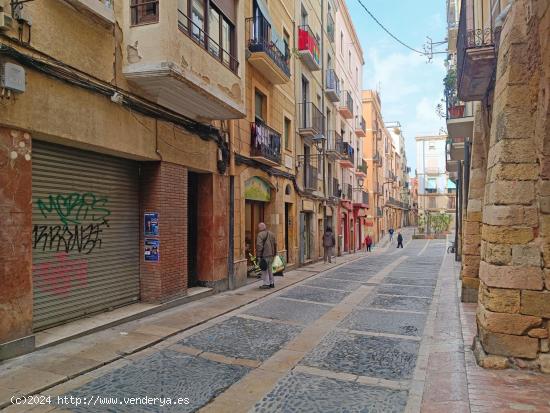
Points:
(399, 240)
(266, 248)
(328, 244)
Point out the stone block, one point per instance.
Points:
(547, 278)
(545, 345)
(470, 260)
(511, 151)
(508, 345)
(544, 188)
(538, 333)
(474, 216)
(515, 172)
(500, 300)
(488, 361)
(544, 360)
(527, 255)
(535, 303)
(469, 282)
(498, 254)
(507, 235)
(510, 215)
(515, 324)
(471, 228)
(523, 278)
(511, 192)
(545, 226)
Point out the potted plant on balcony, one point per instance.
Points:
(455, 107)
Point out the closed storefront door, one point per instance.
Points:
(85, 233)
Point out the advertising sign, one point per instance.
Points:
(151, 224)
(151, 251)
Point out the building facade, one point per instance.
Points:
(436, 191)
(504, 73)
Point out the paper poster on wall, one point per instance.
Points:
(151, 224)
(151, 252)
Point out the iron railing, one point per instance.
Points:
(362, 166)
(365, 197)
(307, 41)
(349, 191)
(266, 142)
(333, 83)
(336, 192)
(361, 124)
(310, 177)
(377, 158)
(260, 39)
(379, 212)
(330, 27)
(334, 142)
(347, 101)
(348, 152)
(199, 36)
(310, 117)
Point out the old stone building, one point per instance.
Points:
(503, 62)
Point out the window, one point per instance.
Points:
(286, 40)
(287, 132)
(259, 105)
(304, 16)
(198, 16)
(342, 43)
(432, 202)
(144, 11)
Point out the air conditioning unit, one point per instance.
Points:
(6, 21)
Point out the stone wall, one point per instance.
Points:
(514, 300)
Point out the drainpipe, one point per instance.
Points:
(325, 126)
(458, 210)
(231, 252)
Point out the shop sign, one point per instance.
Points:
(256, 189)
(152, 250)
(308, 205)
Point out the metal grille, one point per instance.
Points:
(85, 233)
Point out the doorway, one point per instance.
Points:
(254, 214)
(320, 234)
(192, 228)
(288, 214)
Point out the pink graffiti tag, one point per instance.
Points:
(61, 275)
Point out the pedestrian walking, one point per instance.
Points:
(368, 242)
(391, 231)
(266, 248)
(328, 244)
(399, 240)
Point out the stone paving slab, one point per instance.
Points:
(414, 291)
(318, 295)
(289, 310)
(300, 392)
(429, 282)
(163, 374)
(345, 276)
(405, 324)
(243, 338)
(394, 302)
(381, 357)
(334, 284)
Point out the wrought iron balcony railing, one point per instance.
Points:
(310, 118)
(346, 105)
(361, 125)
(362, 166)
(260, 39)
(365, 197)
(334, 142)
(332, 86)
(266, 142)
(308, 47)
(199, 36)
(336, 191)
(330, 27)
(348, 152)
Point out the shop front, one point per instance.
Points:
(257, 196)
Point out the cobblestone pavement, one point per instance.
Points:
(379, 334)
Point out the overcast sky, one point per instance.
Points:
(410, 88)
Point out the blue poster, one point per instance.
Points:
(151, 252)
(151, 224)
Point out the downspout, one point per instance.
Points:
(231, 252)
(325, 126)
(458, 210)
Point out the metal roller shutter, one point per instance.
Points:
(85, 233)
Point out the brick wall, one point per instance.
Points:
(15, 235)
(164, 190)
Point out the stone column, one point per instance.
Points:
(16, 296)
(514, 301)
(471, 219)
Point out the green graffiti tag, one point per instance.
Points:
(75, 208)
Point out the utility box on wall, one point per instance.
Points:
(12, 77)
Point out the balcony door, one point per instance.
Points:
(304, 98)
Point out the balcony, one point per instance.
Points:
(334, 146)
(99, 10)
(460, 119)
(183, 69)
(348, 192)
(379, 213)
(332, 88)
(361, 170)
(265, 145)
(432, 170)
(365, 198)
(476, 55)
(455, 149)
(360, 127)
(346, 105)
(308, 48)
(336, 191)
(330, 27)
(266, 56)
(310, 178)
(311, 120)
(347, 156)
(377, 159)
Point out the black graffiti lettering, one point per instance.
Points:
(78, 238)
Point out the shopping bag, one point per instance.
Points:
(278, 265)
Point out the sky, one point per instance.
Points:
(410, 88)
